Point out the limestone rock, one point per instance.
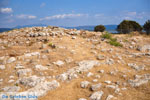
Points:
(96, 95)
(136, 67)
(40, 67)
(96, 86)
(32, 54)
(89, 74)
(12, 59)
(84, 84)
(59, 63)
(11, 89)
(82, 99)
(42, 88)
(24, 72)
(30, 81)
(85, 65)
(2, 67)
(144, 48)
(109, 97)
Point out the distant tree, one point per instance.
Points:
(127, 26)
(99, 28)
(146, 27)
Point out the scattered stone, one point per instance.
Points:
(1, 80)
(109, 97)
(108, 82)
(2, 67)
(111, 86)
(84, 84)
(101, 71)
(144, 48)
(46, 51)
(68, 60)
(124, 76)
(100, 57)
(123, 89)
(109, 61)
(98, 76)
(32, 54)
(10, 81)
(11, 59)
(19, 67)
(112, 73)
(11, 89)
(96, 95)
(95, 80)
(24, 72)
(30, 81)
(63, 77)
(42, 88)
(139, 80)
(136, 67)
(96, 87)
(74, 37)
(11, 76)
(82, 99)
(40, 67)
(59, 63)
(89, 74)
(117, 90)
(83, 67)
(44, 57)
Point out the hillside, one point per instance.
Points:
(110, 28)
(91, 27)
(5, 29)
(52, 63)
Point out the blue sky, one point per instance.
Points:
(72, 12)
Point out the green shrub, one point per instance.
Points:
(127, 26)
(146, 27)
(106, 36)
(112, 41)
(115, 43)
(99, 28)
(52, 45)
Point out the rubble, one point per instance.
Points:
(84, 84)
(96, 95)
(79, 59)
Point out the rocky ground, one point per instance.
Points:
(53, 63)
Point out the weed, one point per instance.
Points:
(16, 84)
(106, 36)
(52, 45)
(115, 43)
(112, 41)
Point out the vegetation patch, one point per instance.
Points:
(115, 43)
(52, 45)
(106, 36)
(112, 41)
(99, 28)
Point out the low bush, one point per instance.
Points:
(106, 36)
(115, 43)
(99, 28)
(52, 45)
(112, 41)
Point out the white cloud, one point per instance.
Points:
(132, 13)
(99, 15)
(6, 10)
(135, 15)
(31, 17)
(62, 16)
(23, 16)
(42, 5)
